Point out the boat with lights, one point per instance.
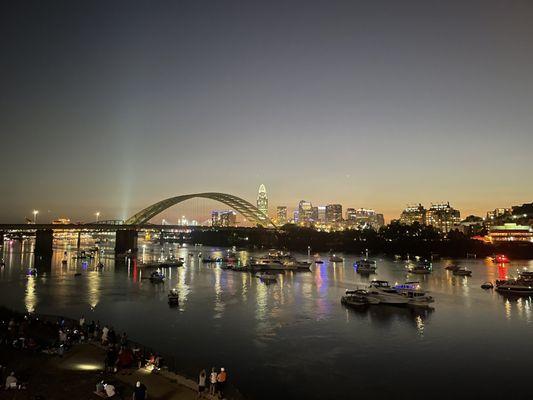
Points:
(382, 291)
(365, 266)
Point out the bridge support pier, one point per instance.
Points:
(126, 240)
(44, 240)
(1, 239)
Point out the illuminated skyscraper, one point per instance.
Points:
(442, 216)
(262, 200)
(412, 214)
(305, 211)
(281, 215)
(333, 213)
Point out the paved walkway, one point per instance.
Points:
(161, 386)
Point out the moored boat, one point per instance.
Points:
(365, 266)
(358, 298)
(157, 277)
(382, 291)
(462, 272)
(335, 258)
(515, 287)
(266, 277)
(173, 297)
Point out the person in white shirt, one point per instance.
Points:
(213, 381)
(11, 381)
(109, 390)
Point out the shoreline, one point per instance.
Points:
(86, 360)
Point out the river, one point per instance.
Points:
(294, 338)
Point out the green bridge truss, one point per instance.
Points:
(248, 210)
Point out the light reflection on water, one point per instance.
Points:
(269, 335)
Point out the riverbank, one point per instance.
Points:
(49, 368)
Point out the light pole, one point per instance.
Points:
(97, 216)
(35, 212)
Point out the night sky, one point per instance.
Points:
(112, 105)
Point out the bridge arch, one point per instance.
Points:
(248, 210)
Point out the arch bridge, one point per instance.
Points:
(243, 207)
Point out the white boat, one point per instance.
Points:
(414, 294)
(335, 258)
(420, 268)
(382, 291)
(515, 286)
(365, 266)
(358, 298)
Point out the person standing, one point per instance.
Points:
(201, 382)
(105, 331)
(212, 381)
(221, 380)
(139, 393)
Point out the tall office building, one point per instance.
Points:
(350, 215)
(321, 213)
(442, 216)
(305, 212)
(368, 218)
(262, 200)
(413, 213)
(281, 215)
(314, 214)
(333, 213)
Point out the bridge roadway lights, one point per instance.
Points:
(126, 239)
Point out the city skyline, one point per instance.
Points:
(367, 105)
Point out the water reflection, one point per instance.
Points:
(30, 299)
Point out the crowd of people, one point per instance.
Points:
(217, 382)
(121, 355)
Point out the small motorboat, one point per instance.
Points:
(452, 267)
(357, 299)
(514, 287)
(99, 266)
(32, 272)
(500, 258)
(462, 272)
(335, 258)
(173, 297)
(266, 278)
(365, 266)
(157, 277)
(487, 285)
(171, 262)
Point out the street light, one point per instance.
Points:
(97, 215)
(35, 212)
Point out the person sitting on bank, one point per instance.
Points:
(110, 390)
(139, 393)
(11, 381)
